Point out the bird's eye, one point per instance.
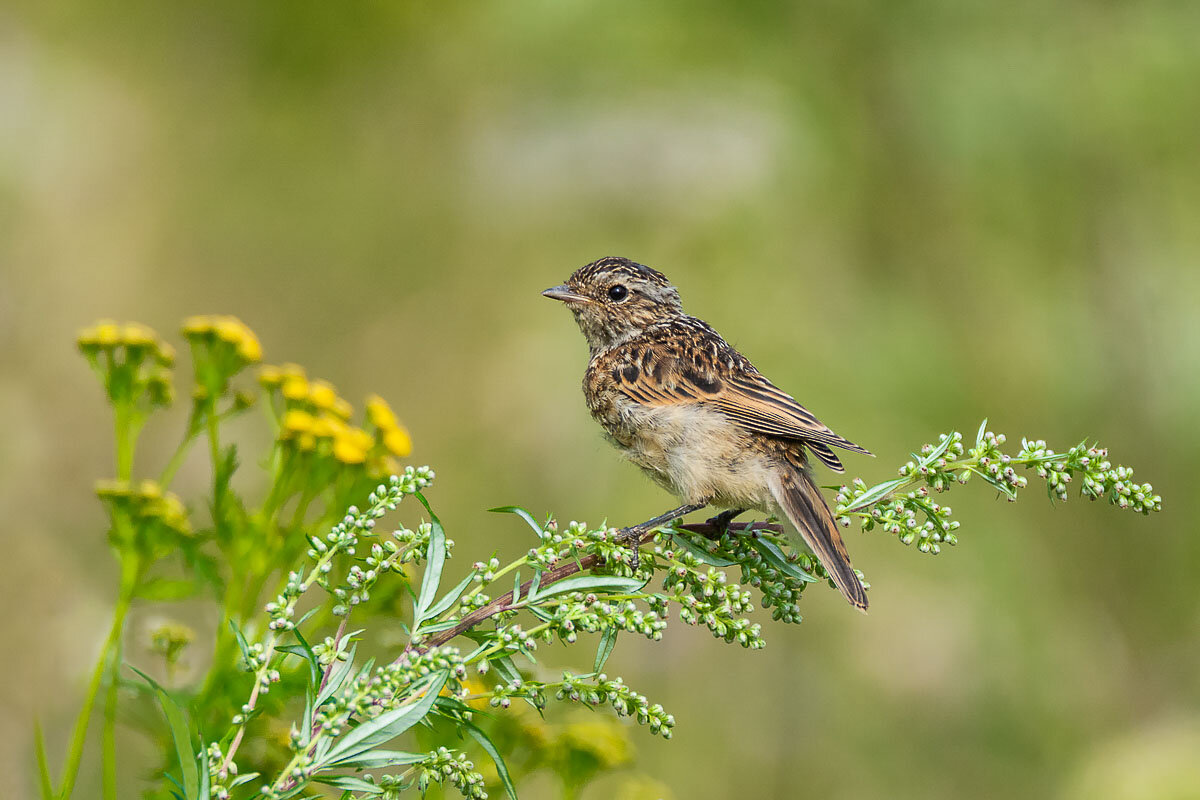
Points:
(617, 293)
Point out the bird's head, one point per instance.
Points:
(615, 299)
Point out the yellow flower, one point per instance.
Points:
(165, 354)
(197, 326)
(398, 442)
(107, 334)
(290, 370)
(295, 422)
(342, 408)
(295, 387)
(351, 446)
(322, 395)
(134, 334)
(235, 332)
(380, 413)
(326, 426)
(270, 377)
(306, 442)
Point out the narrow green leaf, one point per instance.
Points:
(516, 598)
(435, 559)
(389, 724)
(534, 585)
(982, 431)
(1003, 488)
(181, 735)
(378, 759)
(593, 583)
(523, 514)
(875, 494)
(450, 598)
(772, 554)
(507, 669)
(243, 645)
(700, 553)
(938, 451)
(607, 642)
(486, 743)
(245, 778)
(310, 656)
(45, 782)
(349, 783)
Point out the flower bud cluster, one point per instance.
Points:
(446, 766)
(705, 596)
(386, 687)
(134, 363)
(912, 517)
(600, 690)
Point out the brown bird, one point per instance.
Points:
(677, 400)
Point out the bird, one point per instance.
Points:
(696, 416)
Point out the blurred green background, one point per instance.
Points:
(910, 214)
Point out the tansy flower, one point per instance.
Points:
(350, 446)
(322, 395)
(295, 387)
(398, 442)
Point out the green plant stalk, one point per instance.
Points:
(106, 665)
(125, 435)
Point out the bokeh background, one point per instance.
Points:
(911, 215)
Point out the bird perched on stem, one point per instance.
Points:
(677, 400)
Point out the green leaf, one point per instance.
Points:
(523, 514)
(708, 558)
(162, 589)
(314, 664)
(349, 783)
(937, 452)
(435, 559)
(243, 645)
(772, 554)
(875, 494)
(45, 782)
(534, 585)
(607, 642)
(982, 431)
(486, 743)
(390, 724)
(181, 735)
(1000, 486)
(507, 669)
(450, 598)
(593, 583)
(379, 759)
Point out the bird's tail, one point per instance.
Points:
(803, 504)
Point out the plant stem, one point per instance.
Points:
(107, 664)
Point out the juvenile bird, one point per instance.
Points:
(677, 400)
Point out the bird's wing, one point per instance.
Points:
(715, 375)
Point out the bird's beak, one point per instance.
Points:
(564, 294)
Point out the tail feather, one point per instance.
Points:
(804, 506)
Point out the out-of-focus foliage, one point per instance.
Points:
(908, 214)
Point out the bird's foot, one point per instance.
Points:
(720, 523)
(632, 535)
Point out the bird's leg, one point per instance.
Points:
(721, 522)
(632, 535)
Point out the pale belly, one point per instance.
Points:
(696, 454)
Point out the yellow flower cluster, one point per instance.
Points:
(394, 435)
(228, 330)
(135, 352)
(317, 419)
(146, 500)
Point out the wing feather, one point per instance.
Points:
(712, 373)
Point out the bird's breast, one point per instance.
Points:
(692, 450)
